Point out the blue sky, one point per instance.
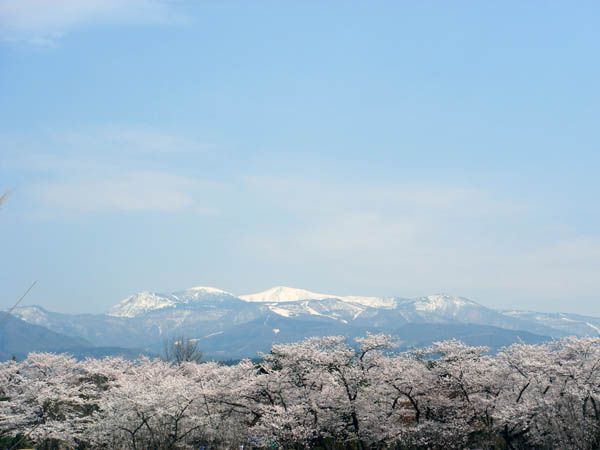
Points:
(380, 148)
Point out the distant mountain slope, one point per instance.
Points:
(100, 329)
(419, 335)
(568, 323)
(259, 336)
(231, 326)
(17, 338)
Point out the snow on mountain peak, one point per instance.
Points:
(139, 303)
(288, 294)
(143, 302)
(209, 290)
(442, 302)
(372, 302)
(284, 294)
(31, 314)
(200, 293)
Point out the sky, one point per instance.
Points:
(359, 148)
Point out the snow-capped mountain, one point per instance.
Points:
(227, 324)
(332, 308)
(287, 301)
(143, 302)
(282, 300)
(202, 293)
(288, 294)
(284, 294)
(446, 304)
(140, 303)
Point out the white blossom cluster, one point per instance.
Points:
(319, 393)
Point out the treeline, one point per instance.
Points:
(319, 393)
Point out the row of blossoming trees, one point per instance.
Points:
(320, 393)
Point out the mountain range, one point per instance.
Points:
(229, 326)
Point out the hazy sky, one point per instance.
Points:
(381, 148)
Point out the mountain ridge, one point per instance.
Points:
(223, 321)
(145, 301)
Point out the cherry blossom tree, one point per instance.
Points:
(47, 398)
(322, 392)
